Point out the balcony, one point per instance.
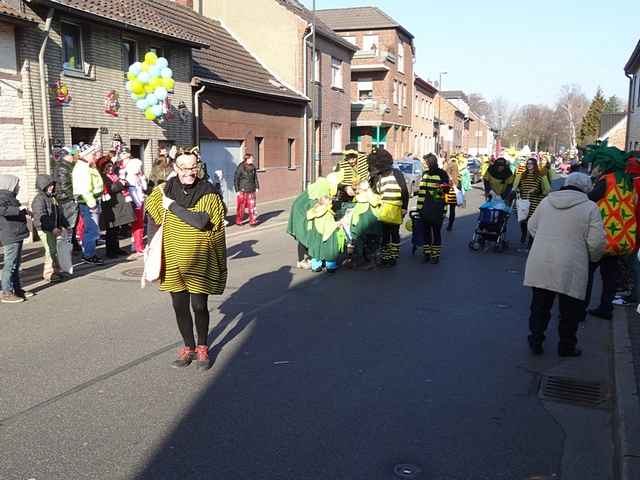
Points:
(371, 107)
(373, 61)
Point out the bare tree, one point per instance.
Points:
(480, 105)
(574, 104)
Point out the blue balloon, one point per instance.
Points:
(152, 99)
(142, 104)
(144, 77)
(128, 85)
(162, 63)
(161, 93)
(167, 73)
(135, 68)
(155, 71)
(157, 110)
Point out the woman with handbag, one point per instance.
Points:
(193, 256)
(533, 187)
(389, 183)
(433, 188)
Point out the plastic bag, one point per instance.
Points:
(459, 197)
(64, 248)
(523, 206)
(153, 257)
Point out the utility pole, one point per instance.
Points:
(440, 111)
(314, 95)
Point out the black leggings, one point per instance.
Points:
(452, 214)
(200, 308)
(433, 233)
(303, 253)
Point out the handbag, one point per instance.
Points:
(388, 213)
(153, 256)
(459, 197)
(523, 206)
(64, 248)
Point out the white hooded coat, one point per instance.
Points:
(568, 234)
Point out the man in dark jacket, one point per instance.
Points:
(49, 222)
(246, 183)
(13, 231)
(64, 192)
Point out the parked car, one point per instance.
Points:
(412, 172)
(474, 166)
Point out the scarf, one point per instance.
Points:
(187, 195)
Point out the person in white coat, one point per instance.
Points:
(568, 234)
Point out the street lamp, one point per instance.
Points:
(440, 109)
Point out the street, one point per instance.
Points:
(316, 376)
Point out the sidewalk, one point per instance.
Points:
(273, 214)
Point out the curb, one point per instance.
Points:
(627, 402)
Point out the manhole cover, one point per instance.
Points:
(406, 470)
(133, 272)
(574, 391)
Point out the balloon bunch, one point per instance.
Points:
(149, 84)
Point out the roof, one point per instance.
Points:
(157, 17)
(322, 28)
(609, 121)
(359, 18)
(453, 94)
(634, 62)
(425, 85)
(13, 14)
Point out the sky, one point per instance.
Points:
(523, 51)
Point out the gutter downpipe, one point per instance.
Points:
(196, 101)
(305, 136)
(44, 97)
(630, 104)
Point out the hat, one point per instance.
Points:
(581, 181)
(86, 150)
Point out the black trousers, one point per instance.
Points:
(452, 215)
(609, 273)
(303, 253)
(433, 233)
(571, 313)
(182, 310)
(390, 241)
(112, 241)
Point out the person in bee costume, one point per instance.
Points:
(354, 168)
(432, 207)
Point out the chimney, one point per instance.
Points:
(185, 3)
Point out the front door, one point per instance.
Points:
(224, 155)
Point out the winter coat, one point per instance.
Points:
(63, 176)
(115, 210)
(13, 221)
(87, 184)
(47, 215)
(568, 234)
(246, 178)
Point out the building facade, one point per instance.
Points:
(632, 70)
(382, 78)
(452, 127)
(87, 52)
(424, 136)
(481, 136)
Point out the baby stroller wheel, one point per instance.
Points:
(475, 246)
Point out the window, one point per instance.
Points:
(159, 51)
(318, 138)
(365, 89)
(416, 106)
(317, 67)
(336, 138)
(400, 97)
(370, 43)
(72, 46)
(351, 40)
(395, 92)
(336, 73)
(129, 53)
(258, 152)
(404, 95)
(400, 57)
(291, 152)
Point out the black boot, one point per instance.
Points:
(535, 346)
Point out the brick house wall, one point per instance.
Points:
(480, 136)
(454, 120)
(231, 116)
(422, 124)
(102, 51)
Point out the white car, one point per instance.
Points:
(412, 171)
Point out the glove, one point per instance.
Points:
(166, 202)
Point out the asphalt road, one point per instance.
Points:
(316, 376)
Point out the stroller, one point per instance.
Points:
(492, 225)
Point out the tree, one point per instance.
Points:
(614, 105)
(479, 105)
(590, 126)
(574, 104)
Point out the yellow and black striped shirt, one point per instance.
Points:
(193, 260)
(393, 189)
(531, 188)
(434, 184)
(354, 175)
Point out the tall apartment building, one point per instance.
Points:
(632, 70)
(382, 77)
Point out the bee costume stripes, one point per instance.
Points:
(431, 204)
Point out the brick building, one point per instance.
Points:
(452, 126)
(481, 136)
(382, 78)
(88, 48)
(632, 70)
(423, 118)
(326, 82)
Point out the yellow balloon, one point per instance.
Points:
(156, 82)
(145, 67)
(168, 83)
(131, 76)
(150, 58)
(148, 113)
(137, 87)
(148, 88)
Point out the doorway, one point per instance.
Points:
(84, 135)
(224, 155)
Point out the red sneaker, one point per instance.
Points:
(185, 357)
(202, 357)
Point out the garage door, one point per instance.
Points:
(223, 155)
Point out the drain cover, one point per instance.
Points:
(133, 272)
(574, 391)
(406, 470)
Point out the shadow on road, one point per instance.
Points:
(242, 250)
